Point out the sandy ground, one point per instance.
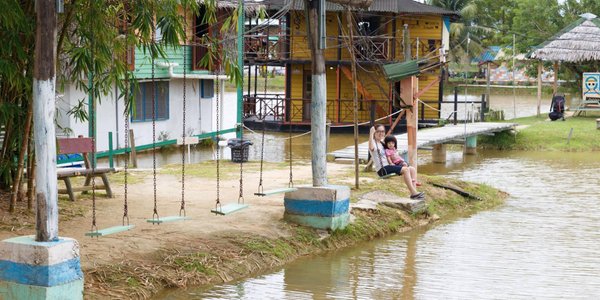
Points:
(261, 218)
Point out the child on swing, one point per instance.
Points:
(393, 158)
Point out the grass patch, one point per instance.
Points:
(543, 135)
(227, 169)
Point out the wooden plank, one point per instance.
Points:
(75, 145)
(166, 219)
(276, 191)
(81, 189)
(229, 208)
(110, 230)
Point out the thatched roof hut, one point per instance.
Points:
(580, 41)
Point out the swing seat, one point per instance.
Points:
(276, 191)
(110, 230)
(166, 219)
(386, 176)
(229, 208)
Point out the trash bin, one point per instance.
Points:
(239, 149)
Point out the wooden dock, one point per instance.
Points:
(429, 137)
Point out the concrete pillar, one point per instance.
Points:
(438, 155)
(323, 207)
(471, 145)
(40, 270)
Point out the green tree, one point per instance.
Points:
(93, 37)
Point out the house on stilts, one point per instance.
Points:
(389, 31)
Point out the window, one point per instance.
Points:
(143, 97)
(207, 89)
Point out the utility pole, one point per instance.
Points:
(44, 76)
(318, 103)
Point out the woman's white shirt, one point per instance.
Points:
(378, 158)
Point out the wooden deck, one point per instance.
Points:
(430, 137)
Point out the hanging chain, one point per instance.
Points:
(125, 99)
(218, 201)
(380, 159)
(182, 208)
(155, 214)
(241, 196)
(93, 123)
(262, 140)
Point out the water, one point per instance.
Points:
(541, 244)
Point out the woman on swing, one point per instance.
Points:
(380, 162)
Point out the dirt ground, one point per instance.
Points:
(261, 218)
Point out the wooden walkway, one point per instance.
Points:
(430, 137)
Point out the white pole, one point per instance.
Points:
(44, 76)
(514, 81)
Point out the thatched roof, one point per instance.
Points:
(580, 41)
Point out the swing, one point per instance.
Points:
(261, 192)
(231, 207)
(386, 175)
(95, 232)
(156, 219)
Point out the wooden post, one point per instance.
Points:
(407, 92)
(44, 76)
(319, 96)
(354, 94)
(539, 87)
(133, 157)
(555, 86)
(455, 105)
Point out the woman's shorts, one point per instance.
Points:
(390, 169)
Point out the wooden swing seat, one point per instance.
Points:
(229, 208)
(166, 219)
(276, 191)
(386, 176)
(110, 230)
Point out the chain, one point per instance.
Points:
(93, 123)
(125, 99)
(155, 214)
(218, 201)
(182, 208)
(262, 140)
(380, 159)
(241, 196)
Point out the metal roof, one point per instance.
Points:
(392, 6)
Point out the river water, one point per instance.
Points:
(541, 244)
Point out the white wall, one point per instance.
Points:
(200, 115)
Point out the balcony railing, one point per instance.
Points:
(273, 107)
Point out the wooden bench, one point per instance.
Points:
(82, 146)
(588, 105)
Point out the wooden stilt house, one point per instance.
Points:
(389, 31)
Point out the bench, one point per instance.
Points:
(82, 146)
(588, 105)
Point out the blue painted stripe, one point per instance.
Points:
(52, 275)
(316, 208)
(447, 22)
(333, 223)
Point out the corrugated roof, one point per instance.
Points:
(488, 55)
(398, 71)
(393, 6)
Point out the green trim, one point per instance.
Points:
(149, 146)
(401, 70)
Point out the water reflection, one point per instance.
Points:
(542, 244)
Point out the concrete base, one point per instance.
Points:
(438, 154)
(324, 207)
(471, 145)
(40, 270)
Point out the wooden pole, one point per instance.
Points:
(555, 86)
(539, 87)
(354, 94)
(44, 76)
(487, 88)
(133, 157)
(319, 96)
(407, 91)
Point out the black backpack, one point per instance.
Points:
(557, 107)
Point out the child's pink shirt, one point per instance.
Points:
(393, 155)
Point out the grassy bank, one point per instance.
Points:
(543, 135)
(231, 255)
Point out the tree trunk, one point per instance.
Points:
(30, 175)
(23, 149)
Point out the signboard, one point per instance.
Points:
(591, 86)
